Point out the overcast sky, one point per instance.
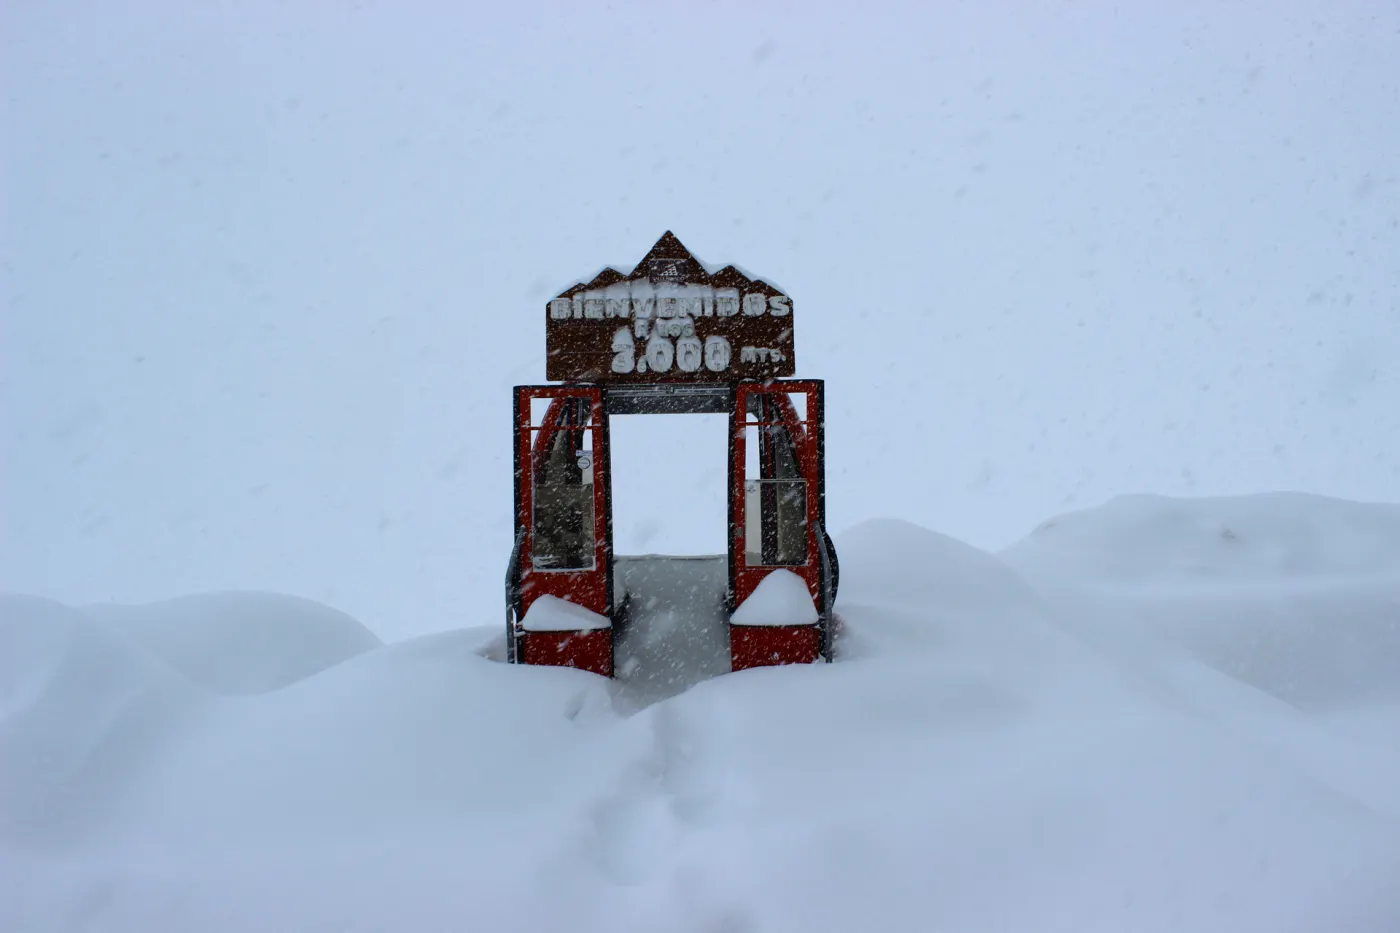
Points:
(270, 269)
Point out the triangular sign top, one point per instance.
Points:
(668, 247)
(669, 261)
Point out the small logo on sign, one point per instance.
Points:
(664, 270)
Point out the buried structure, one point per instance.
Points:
(671, 337)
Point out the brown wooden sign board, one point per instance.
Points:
(669, 320)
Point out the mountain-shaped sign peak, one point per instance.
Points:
(670, 261)
(668, 247)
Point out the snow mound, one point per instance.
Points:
(1261, 538)
(82, 710)
(418, 740)
(240, 642)
(781, 598)
(932, 592)
(893, 559)
(1296, 595)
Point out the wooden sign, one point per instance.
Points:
(669, 320)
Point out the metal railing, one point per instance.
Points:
(513, 596)
(830, 579)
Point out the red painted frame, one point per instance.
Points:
(588, 588)
(808, 441)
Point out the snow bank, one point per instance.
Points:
(241, 642)
(916, 589)
(1277, 617)
(891, 558)
(781, 598)
(1296, 595)
(1267, 538)
(995, 749)
(83, 714)
(421, 741)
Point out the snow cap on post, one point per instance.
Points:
(781, 598)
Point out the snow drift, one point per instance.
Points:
(1265, 538)
(1045, 740)
(1297, 595)
(241, 642)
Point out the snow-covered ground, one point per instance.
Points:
(1160, 714)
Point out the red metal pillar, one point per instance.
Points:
(759, 638)
(548, 633)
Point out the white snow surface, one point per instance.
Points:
(781, 598)
(552, 614)
(241, 642)
(1129, 721)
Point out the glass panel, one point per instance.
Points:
(775, 496)
(775, 523)
(564, 532)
